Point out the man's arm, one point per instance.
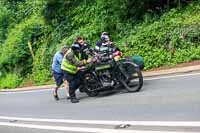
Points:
(98, 45)
(59, 58)
(71, 58)
(114, 47)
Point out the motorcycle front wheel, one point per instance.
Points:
(130, 76)
(90, 85)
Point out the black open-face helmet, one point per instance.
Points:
(76, 47)
(104, 36)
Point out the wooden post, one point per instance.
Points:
(31, 49)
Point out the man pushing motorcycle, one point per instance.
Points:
(107, 72)
(72, 62)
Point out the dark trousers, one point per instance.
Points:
(74, 82)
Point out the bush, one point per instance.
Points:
(172, 39)
(10, 80)
(41, 71)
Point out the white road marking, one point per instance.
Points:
(103, 122)
(172, 76)
(82, 129)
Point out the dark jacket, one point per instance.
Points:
(70, 56)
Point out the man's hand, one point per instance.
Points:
(80, 68)
(89, 60)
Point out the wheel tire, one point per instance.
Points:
(88, 89)
(91, 94)
(134, 70)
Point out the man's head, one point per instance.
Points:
(80, 40)
(64, 49)
(76, 47)
(104, 35)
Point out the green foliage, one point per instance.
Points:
(90, 19)
(4, 21)
(15, 51)
(25, 26)
(41, 64)
(173, 39)
(11, 80)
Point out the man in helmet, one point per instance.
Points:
(57, 72)
(71, 64)
(104, 37)
(105, 45)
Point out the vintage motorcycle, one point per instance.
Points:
(110, 71)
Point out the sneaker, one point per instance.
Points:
(56, 97)
(74, 100)
(68, 96)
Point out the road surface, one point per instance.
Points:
(166, 104)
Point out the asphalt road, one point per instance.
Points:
(165, 104)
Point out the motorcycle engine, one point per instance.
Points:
(91, 81)
(106, 78)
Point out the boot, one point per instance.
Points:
(74, 100)
(81, 89)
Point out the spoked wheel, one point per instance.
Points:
(90, 85)
(130, 76)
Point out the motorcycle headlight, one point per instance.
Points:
(117, 58)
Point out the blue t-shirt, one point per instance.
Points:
(57, 61)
